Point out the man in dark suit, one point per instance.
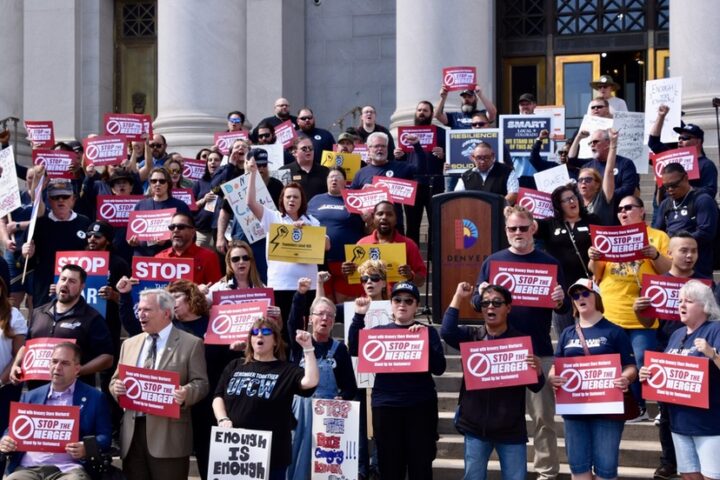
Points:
(154, 447)
(63, 389)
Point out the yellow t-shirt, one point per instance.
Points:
(620, 284)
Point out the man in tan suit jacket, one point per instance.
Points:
(154, 447)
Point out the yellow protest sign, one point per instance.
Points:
(393, 254)
(287, 243)
(350, 162)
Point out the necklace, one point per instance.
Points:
(676, 207)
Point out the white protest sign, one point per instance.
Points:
(335, 439)
(664, 91)
(557, 119)
(9, 188)
(379, 313)
(548, 180)
(591, 123)
(235, 192)
(239, 453)
(276, 155)
(631, 138)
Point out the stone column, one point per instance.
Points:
(11, 58)
(695, 58)
(201, 70)
(432, 35)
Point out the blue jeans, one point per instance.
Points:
(642, 339)
(513, 458)
(593, 444)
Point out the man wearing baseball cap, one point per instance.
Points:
(468, 106)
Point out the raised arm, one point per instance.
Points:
(255, 207)
(608, 183)
(440, 107)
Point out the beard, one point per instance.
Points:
(465, 108)
(423, 121)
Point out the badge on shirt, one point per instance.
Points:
(389, 173)
(80, 234)
(297, 177)
(318, 137)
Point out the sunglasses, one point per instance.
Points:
(593, 142)
(155, 145)
(244, 258)
(478, 124)
(305, 119)
(495, 302)
(405, 300)
(264, 135)
(626, 208)
(95, 235)
(235, 120)
(522, 228)
(672, 185)
(60, 197)
(160, 181)
(683, 138)
(583, 294)
(563, 153)
(306, 149)
(372, 278)
(586, 180)
(178, 226)
(265, 331)
(174, 171)
(596, 107)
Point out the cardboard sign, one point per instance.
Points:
(150, 391)
(287, 243)
(460, 78)
(589, 124)
(663, 91)
(239, 453)
(531, 284)
(548, 180)
(393, 350)
(9, 187)
(131, 126)
(150, 225)
(589, 388)
(678, 379)
(57, 163)
(97, 266)
(232, 323)
(497, 363)
(116, 209)
(393, 254)
(519, 133)
(557, 119)
(539, 203)
(631, 138)
(349, 162)
(620, 243)
(185, 195)
(224, 140)
(664, 294)
(101, 151)
(243, 295)
(461, 143)
(43, 428)
(401, 190)
(193, 169)
(235, 192)
(40, 133)
(687, 157)
(335, 437)
(359, 201)
(379, 313)
(427, 137)
(36, 361)
(159, 272)
(285, 134)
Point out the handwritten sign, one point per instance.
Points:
(359, 201)
(539, 203)
(232, 323)
(392, 254)
(335, 437)
(57, 163)
(426, 135)
(150, 391)
(687, 157)
(548, 180)
(224, 140)
(497, 363)
(40, 133)
(43, 428)
(460, 78)
(235, 192)
(150, 225)
(243, 295)
(9, 187)
(461, 143)
(287, 243)
(664, 294)
(589, 387)
(108, 150)
(393, 350)
(631, 138)
(677, 379)
(131, 126)
(619, 243)
(663, 91)
(116, 209)
(349, 162)
(36, 361)
(531, 284)
(285, 134)
(239, 453)
(401, 190)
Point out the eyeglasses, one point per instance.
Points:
(373, 278)
(244, 258)
(626, 208)
(495, 302)
(280, 105)
(522, 228)
(368, 112)
(378, 146)
(178, 226)
(95, 235)
(594, 142)
(563, 153)
(306, 149)
(264, 135)
(174, 171)
(684, 138)
(161, 181)
(672, 185)
(265, 331)
(478, 124)
(405, 300)
(584, 294)
(305, 119)
(586, 179)
(482, 158)
(596, 107)
(323, 314)
(60, 197)
(156, 145)
(572, 199)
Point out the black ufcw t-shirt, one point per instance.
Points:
(259, 396)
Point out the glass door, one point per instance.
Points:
(573, 74)
(522, 75)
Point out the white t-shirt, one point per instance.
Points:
(615, 104)
(18, 325)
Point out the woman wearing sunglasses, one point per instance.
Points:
(597, 191)
(620, 284)
(490, 419)
(404, 405)
(257, 392)
(593, 441)
(175, 166)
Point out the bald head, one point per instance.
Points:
(282, 108)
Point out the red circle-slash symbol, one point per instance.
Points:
(133, 389)
(374, 351)
(23, 427)
(478, 365)
(221, 324)
(657, 376)
(574, 380)
(657, 295)
(603, 244)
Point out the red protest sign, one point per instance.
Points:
(36, 361)
(362, 150)
(687, 157)
(43, 428)
(460, 78)
(497, 363)
(401, 190)
(224, 140)
(110, 150)
(285, 133)
(162, 269)
(357, 201)
(589, 388)
(243, 295)
(232, 323)
(93, 262)
(185, 195)
(678, 379)
(664, 295)
(150, 225)
(57, 163)
(131, 126)
(193, 169)
(427, 136)
(394, 350)
(116, 209)
(40, 133)
(539, 203)
(150, 391)
(531, 284)
(619, 243)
